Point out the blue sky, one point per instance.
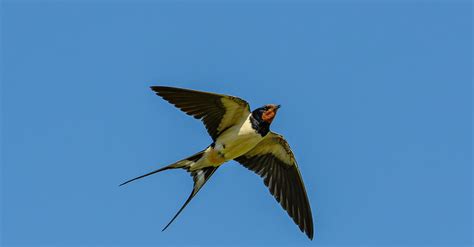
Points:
(377, 105)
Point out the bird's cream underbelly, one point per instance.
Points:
(238, 146)
(233, 143)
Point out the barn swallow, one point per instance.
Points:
(244, 136)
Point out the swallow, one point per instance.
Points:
(244, 136)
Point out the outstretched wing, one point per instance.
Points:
(274, 161)
(217, 111)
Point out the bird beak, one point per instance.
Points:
(278, 107)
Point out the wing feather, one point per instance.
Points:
(217, 111)
(273, 160)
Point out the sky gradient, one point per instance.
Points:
(376, 104)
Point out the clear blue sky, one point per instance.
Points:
(377, 105)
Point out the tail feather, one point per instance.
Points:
(184, 163)
(200, 177)
(145, 175)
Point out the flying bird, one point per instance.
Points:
(244, 136)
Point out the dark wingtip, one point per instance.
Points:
(162, 90)
(155, 88)
(159, 88)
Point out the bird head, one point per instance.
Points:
(267, 112)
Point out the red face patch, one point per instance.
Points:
(269, 114)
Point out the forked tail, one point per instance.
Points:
(200, 178)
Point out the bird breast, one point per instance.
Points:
(237, 140)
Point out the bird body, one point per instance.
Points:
(232, 143)
(244, 136)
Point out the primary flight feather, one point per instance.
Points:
(244, 136)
